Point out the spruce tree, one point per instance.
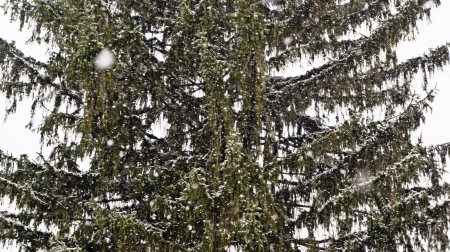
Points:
(248, 160)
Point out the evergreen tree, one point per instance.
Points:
(248, 160)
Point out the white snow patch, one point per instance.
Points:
(78, 135)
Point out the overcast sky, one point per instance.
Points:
(15, 139)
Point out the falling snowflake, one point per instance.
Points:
(104, 59)
(110, 142)
(288, 40)
(428, 5)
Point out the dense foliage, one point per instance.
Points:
(195, 144)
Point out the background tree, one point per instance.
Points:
(243, 162)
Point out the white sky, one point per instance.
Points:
(15, 139)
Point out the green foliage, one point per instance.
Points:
(242, 162)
